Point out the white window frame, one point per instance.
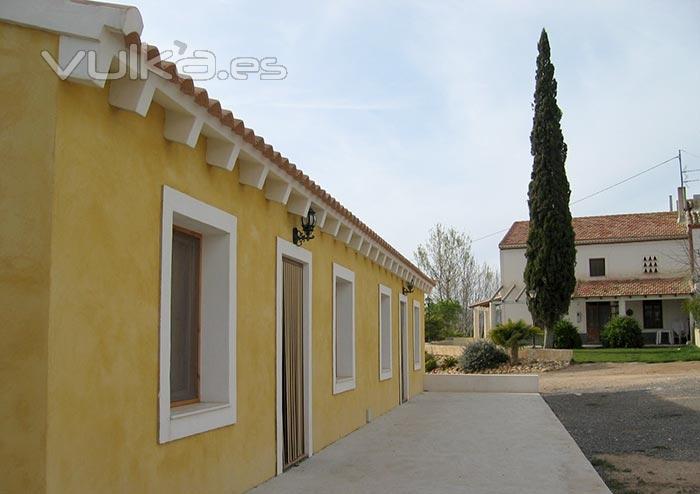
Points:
(217, 406)
(384, 374)
(346, 383)
(417, 357)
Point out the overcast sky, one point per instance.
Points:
(412, 113)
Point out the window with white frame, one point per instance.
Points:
(197, 318)
(417, 360)
(384, 333)
(343, 329)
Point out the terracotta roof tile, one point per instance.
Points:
(201, 97)
(615, 228)
(628, 288)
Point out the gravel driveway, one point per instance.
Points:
(639, 424)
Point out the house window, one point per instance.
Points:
(417, 357)
(596, 267)
(343, 329)
(384, 332)
(653, 315)
(197, 388)
(482, 323)
(184, 317)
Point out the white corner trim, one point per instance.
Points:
(291, 251)
(417, 344)
(385, 373)
(341, 385)
(218, 318)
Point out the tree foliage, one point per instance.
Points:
(442, 319)
(448, 259)
(511, 334)
(550, 252)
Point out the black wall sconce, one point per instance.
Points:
(408, 287)
(307, 225)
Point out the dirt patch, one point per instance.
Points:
(613, 376)
(628, 473)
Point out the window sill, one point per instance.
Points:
(344, 384)
(195, 408)
(384, 375)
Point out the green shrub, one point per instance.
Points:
(622, 332)
(448, 362)
(481, 355)
(511, 334)
(431, 362)
(566, 335)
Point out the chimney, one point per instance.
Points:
(670, 203)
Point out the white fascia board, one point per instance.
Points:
(344, 233)
(356, 241)
(252, 173)
(365, 247)
(133, 95)
(331, 225)
(86, 20)
(276, 189)
(299, 203)
(321, 214)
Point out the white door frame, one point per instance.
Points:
(303, 256)
(403, 341)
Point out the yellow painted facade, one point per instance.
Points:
(81, 199)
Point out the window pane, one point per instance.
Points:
(596, 267)
(184, 317)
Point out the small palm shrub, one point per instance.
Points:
(481, 355)
(566, 335)
(510, 335)
(431, 362)
(622, 332)
(448, 362)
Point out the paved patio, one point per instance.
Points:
(451, 442)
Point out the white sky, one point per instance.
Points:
(411, 113)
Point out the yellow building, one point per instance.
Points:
(161, 330)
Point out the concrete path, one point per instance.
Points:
(451, 442)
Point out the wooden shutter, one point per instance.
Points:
(184, 318)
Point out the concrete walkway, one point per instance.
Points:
(451, 442)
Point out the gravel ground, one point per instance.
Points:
(639, 424)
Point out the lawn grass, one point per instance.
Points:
(648, 355)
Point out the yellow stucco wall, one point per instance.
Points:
(27, 119)
(101, 379)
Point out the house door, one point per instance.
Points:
(597, 316)
(292, 363)
(403, 341)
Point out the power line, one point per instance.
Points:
(692, 154)
(623, 181)
(597, 192)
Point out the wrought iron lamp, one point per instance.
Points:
(307, 229)
(408, 287)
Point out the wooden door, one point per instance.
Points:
(293, 363)
(597, 316)
(403, 337)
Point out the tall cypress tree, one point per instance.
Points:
(550, 253)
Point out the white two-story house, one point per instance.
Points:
(633, 264)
